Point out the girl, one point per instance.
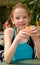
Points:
(16, 40)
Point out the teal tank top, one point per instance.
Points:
(23, 51)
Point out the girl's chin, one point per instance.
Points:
(21, 28)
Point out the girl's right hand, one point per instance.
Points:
(22, 34)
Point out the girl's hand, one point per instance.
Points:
(22, 34)
(34, 33)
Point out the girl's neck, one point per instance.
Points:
(17, 30)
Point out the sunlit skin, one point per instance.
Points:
(21, 18)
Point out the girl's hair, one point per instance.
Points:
(20, 5)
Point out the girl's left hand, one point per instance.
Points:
(34, 33)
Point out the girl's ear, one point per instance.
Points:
(12, 21)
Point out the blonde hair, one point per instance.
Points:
(20, 5)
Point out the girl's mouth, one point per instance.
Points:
(21, 24)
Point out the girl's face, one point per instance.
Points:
(20, 18)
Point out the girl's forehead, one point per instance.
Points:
(20, 10)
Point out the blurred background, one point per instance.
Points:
(6, 7)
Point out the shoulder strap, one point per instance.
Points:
(14, 34)
(31, 43)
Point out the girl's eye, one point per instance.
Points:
(17, 18)
(24, 17)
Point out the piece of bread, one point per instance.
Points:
(28, 28)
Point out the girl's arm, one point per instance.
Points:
(35, 36)
(9, 48)
(37, 47)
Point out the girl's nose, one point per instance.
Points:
(21, 19)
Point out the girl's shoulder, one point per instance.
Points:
(9, 32)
